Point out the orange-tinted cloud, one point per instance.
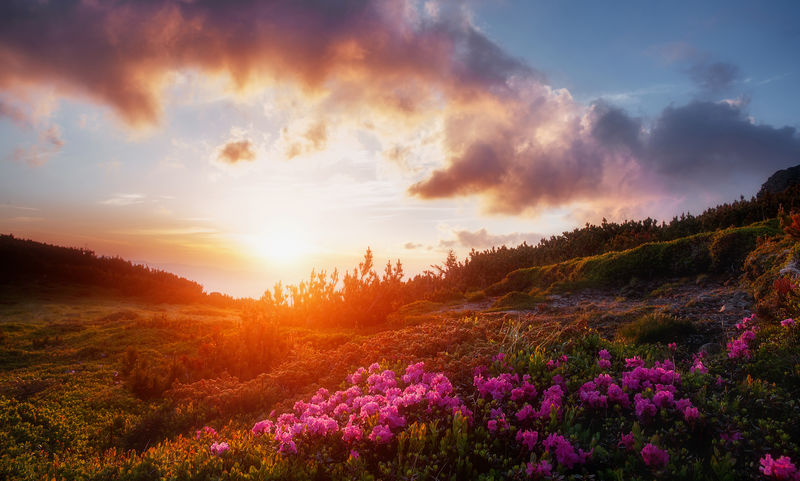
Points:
(506, 135)
(236, 151)
(120, 52)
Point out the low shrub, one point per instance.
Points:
(657, 327)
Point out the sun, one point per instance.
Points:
(283, 243)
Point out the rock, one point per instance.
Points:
(780, 181)
(710, 348)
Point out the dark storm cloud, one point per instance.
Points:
(703, 140)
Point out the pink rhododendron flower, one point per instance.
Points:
(699, 367)
(564, 451)
(527, 438)
(654, 456)
(644, 407)
(540, 470)
(663, 399)
(381, 434)
(672, 346)
(262, 427)
(691, 414)
(603, 363)
(205, 431)
(218, 449)
(634, 362)
(781, 468)
(604, 354)
(787, 322)
(551, 401)
(354, 454)
(627, 441)
(525, 413)
(352, 433)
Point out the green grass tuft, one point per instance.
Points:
(657, 327)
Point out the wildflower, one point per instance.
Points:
(672, 346)
(654, 456)
(644, 407)
(738, 348)
(357, 376)
(218, 449)
(525, 413)
(354, 454)
(691, 413)
(528, 438)
(604, 354)
(381, 434)
(206, 430)
(564, 451)
(787, 322)
(604, 363)
(551, 400)
(634, 362)
(542, 469)
(781, 468)
(414, 373)
(663, 399)
(699, 367)
(352, 433)
(261, 427)
(626, 440)
(288, 447)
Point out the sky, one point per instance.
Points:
(245, 142)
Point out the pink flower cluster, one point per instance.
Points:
(564, 452)
(788, 322)
(218, 449)
(205, 431)
(781, 468)
(374, 407)
(500, 386)
(654, 456)
(660, 380)
(740, 347)
(542, 469)
(591, 393)
(604, 361)
(554, 363)
(627, 441)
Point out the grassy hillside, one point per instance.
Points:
(722, 251)
(679, 383)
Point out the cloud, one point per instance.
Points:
(122, 53)
(714, 77)
(411, 246)
(482, 239)
(49, 143)
(710, 76)
(501, 132)
(15, 114)
(235, 151)
(124, 200)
